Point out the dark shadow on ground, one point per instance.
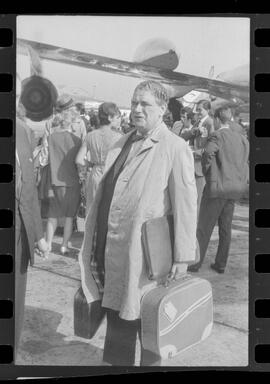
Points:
(40, 337)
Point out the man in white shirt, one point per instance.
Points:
(198, 135)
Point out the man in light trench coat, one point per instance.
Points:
(149, 173)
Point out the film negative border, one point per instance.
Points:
(259, 282)
(259, 192)
(7, 201)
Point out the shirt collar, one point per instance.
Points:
(154, 133)
(224, 127)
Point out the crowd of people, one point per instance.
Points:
(130, 171)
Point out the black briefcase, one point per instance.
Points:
(87, 317)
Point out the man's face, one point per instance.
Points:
(183, 116)
(185, 120)
(145, 111)
(201, 111)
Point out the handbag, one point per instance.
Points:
(82, 207)
(158, 240)
(87, 316)
(45, 185)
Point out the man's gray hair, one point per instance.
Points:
(157, 90)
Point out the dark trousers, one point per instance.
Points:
(200, 183)
(212, 211)
(120, 342)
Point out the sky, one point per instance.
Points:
(200, 41)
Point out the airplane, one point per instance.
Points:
(239, 75)
(156, 59)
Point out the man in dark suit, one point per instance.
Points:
(197, 137)
(225, 166)
(28, 226)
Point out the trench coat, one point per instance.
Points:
(159, 180)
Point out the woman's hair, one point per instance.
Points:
(80, 108)
(189, 112)
(94, 121)
(175, 108)
(107, 110)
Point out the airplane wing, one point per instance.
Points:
(178, 84)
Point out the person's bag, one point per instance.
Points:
(158, 240)
(176, 316)
(158, 247)
(81, 214)
(36, 163)
(87, 316)
(45, 185)
(82, 207)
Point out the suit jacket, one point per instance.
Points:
(158, 180)
(225, 164)
(237, 127)
(27, 206)
(199, 141)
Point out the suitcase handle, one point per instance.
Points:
(169, 279)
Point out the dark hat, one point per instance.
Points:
(64, 101)
(38, 97)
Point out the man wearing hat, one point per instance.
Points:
(149, 173)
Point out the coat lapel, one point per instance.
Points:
(150, 141)
(147, 144)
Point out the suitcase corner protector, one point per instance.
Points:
(168, 351)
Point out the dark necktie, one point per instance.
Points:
(122, 157)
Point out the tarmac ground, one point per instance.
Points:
(48, 338)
